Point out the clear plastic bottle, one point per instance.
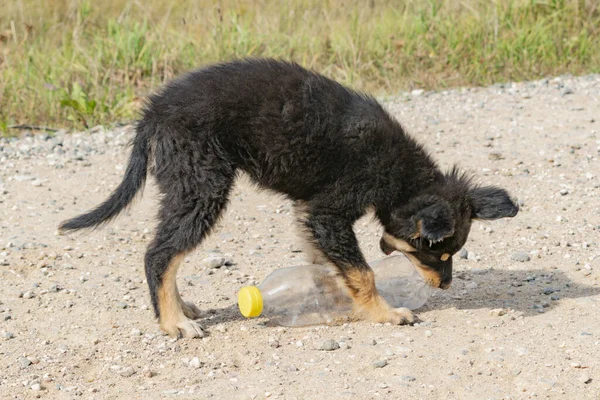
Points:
(316, 294)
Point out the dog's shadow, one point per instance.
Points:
(529, 291)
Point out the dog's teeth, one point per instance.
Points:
(430, 243)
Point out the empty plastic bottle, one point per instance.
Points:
(316, 294)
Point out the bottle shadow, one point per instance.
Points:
(216, 316)
(530, 291)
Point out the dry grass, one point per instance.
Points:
(80, 63)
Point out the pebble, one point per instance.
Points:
(195, 363)
(585, 378)
(122, 305)
(136, 332)
(566, 91)
(127, 372)
(36, 387)
(329, 345)
(213, 261)
(520, 256)
(408, 378)
(472, 285)
(380, 364)
(463, 254)
(7, 335)
(498, 312)
(25, 362)
(28, 295)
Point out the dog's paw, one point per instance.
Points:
(401, 316)
(190, 310)
(184, 327)
(381, 312)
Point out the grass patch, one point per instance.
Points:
(81, 63)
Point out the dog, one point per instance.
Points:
(334, 152)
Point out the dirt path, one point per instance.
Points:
(74, 310)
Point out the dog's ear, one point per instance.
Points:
(427, 217)
(490, 202)
(434, 222)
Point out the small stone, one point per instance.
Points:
(564, 192)
(520, 256)
(548, 291)
(566, 91)
(464, 254)
(28, 295)
(25, 362)
(380, 364)
(127, 372)
(7, 335)
(195, 363)
(274, 343)
(428, 333)
(122, 305)
(495, 156)
(498, 312)
(408, 378)
(472, 285)
(36, 387)
(329, 345)
(585, 378)
(214, 261)
(417, 92)
(135, 332)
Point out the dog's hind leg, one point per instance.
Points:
(186, 216)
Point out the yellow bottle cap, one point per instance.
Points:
(250, 301)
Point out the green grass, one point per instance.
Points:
(75, 64)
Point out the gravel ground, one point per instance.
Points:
(520, 321)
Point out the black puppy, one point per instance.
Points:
(334, 152)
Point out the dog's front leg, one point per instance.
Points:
(334, 238)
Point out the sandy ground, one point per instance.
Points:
(522, 319)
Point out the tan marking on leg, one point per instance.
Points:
(398, 244)
(173, 319)
(310, 250)
(445, 257)
(368, 303)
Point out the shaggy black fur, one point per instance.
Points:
(298, 133)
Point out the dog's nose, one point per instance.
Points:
(445, 285)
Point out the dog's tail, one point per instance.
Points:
(133, 181)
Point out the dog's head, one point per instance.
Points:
(434, 225)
